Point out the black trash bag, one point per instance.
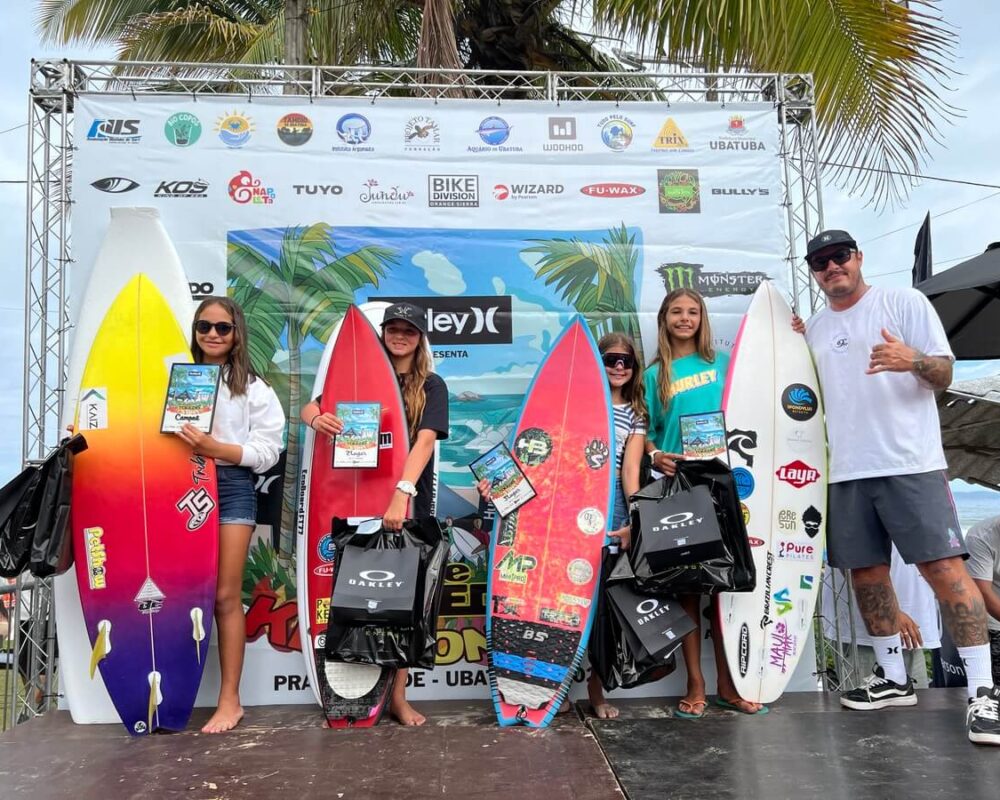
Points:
(52, 545)
(732, 572)
(389, 646)
(34, 515)
(623, 651)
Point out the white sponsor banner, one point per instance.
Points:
(504, 219)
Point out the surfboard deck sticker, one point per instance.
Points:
(777, 443)
(545, 562)
(131, 231)
(355, 368)
(145, 520)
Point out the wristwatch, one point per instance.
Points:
(406, 487)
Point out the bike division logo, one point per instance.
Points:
(245, 189)
(234, 129)
(182, 129)
(679, 191)
(295, 129)
(684, 275)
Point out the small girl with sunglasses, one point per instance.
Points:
(624, 373)
(246, 438)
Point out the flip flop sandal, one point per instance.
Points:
(692, 705)
(730, 706)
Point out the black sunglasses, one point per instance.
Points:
(203, 326)
(838, 257)
(614, 359)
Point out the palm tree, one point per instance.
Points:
(303, 293)
(598, 280)
(878, 65)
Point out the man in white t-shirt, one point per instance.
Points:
(983, 541)
(881, 354)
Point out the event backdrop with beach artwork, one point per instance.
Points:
(503, 220)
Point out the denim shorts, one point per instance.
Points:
(237, 497)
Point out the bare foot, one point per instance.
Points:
(598, 703)
(226, 717)
(405, 713)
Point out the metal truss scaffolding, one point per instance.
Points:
(55, 84)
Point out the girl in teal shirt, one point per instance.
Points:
(688, 377)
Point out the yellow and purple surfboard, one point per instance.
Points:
(144, 519)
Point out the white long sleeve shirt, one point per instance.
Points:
(255, 421)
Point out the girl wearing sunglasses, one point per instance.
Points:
(246, 438)
(688, 377)
(425, 400)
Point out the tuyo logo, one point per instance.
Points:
(798, 474)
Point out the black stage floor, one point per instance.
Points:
(806, 747)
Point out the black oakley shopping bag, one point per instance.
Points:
(376, 586)
(677, 529)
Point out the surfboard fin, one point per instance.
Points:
(102, 645)
(197, 630)
(155, 697)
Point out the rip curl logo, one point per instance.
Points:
(739, 442)
(198, 503)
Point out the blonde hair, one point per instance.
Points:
(665, 351)
(633, 392)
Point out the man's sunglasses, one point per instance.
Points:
(838, 257)
(614, 359)
(203, 326)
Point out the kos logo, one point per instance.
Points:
(798, 474)
(198, 188)
(465, 320)
(199, 291)
(117, 131)
(612, 190)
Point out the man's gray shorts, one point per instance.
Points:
(914, 512)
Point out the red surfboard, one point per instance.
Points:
(357, 370)
(545, 562)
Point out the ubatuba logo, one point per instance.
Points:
(465, 320)
(116, 131)
(606, 191)
(245, 188)
(798, 473)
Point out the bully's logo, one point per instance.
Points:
(596, 453)
(739, 441)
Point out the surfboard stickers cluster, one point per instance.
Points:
(778, 451)
(546, 556)
(354, 369)
(144, 519)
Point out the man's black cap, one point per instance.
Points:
(829, 238)
(407, 312)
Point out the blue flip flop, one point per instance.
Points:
(690, 704)
(723, 703)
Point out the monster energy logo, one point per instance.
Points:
(681, 275)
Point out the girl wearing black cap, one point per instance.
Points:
(425, 398)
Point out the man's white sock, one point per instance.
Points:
(889, 654)
(976, 661)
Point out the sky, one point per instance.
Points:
(969, 215)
